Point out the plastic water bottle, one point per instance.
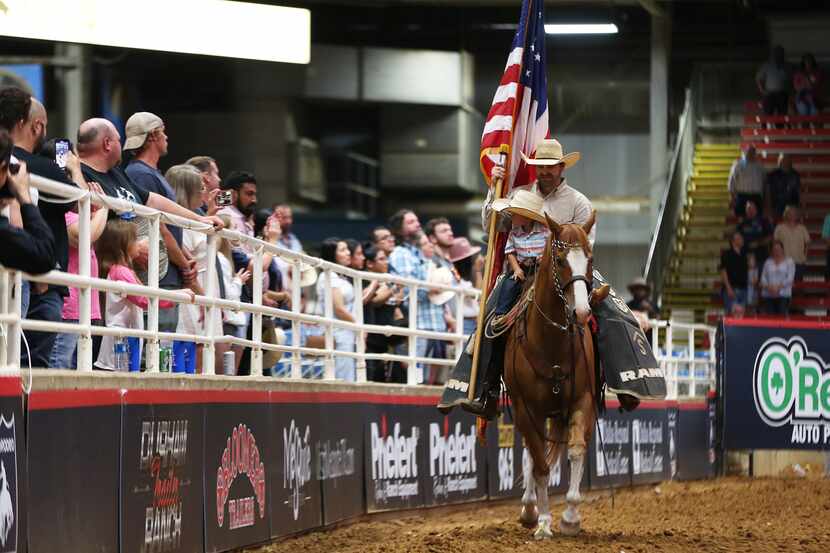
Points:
(165, 355)
(121, 353)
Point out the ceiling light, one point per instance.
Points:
(581, 29)
(242, 30)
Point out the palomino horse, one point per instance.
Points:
(549, 372)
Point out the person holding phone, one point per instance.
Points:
(31, 248)
(26, 120)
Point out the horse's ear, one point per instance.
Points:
(555, 228)
(589, 224)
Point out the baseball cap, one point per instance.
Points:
(139, 125)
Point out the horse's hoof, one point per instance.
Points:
(569, 528)
(543, 531)
(529, 516)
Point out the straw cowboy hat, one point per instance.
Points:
(442, 276)
(462, 249)
(549, 152)
(308, 275)
(525, 203)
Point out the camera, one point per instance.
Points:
(223, 198)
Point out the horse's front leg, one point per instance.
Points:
(530, 513)
(571, 519)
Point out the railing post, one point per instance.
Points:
(214, 313)
(671, 366)
(328, 313)
(152, 357)
(711, 365)
(5, 296)
(296, 305)
(13, 351)
(256, 320)
(84, 291)
(692, 363)
(412, 376)
(360, 338)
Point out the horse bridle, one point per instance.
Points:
(561, 289)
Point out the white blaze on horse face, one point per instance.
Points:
(578, 262)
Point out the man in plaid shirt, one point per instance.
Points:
(408, 261)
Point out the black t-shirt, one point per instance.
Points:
(116, 183)
(736, 267)
(52, 213)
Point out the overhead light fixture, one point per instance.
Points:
(581, 29)
(241, 30)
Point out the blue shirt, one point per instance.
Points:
(151, 180)
(407, 261)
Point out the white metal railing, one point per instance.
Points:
(690, 372)
(12, 324)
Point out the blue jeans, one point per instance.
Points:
(65, 350)
(42, 307)
(740, 299)
(25, 292)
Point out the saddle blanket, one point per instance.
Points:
(624, 352)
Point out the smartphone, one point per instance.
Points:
(14, 167)
(223, 198)
(62, 147)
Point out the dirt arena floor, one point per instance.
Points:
(729, 515)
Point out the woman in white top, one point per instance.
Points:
(777, 281)
(335, 250)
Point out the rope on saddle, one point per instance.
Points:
(496, 325)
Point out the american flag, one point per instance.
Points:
(518, 117)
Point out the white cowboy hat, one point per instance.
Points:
(308, 275)
(523, 202)
(442, 276)
(549, 152)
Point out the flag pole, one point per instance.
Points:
(490, 260)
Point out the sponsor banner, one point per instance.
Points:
(456, 469)
(776, 392)
(649, 445)
(504, 457)
(339, 461)
(12, 467)
(238, 451)
(693, 450)
(74, 440)
(610, 457)
(295, 496)
(395, 456)
(162, 501)
(672, 429)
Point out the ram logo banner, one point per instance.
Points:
(8, 485)
(394, 461)
(296, 465)
(792, 384)
(240, 458)
(162, 454)
(452, 458)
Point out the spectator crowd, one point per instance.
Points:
(41, 233)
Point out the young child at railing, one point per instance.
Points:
(234, 323)
(116, 249)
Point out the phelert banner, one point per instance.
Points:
(776, 385)
(161, 477)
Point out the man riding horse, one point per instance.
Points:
(641, 378)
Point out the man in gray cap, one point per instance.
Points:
(146, 143)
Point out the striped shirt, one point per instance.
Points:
(407, 261)
(527, 245)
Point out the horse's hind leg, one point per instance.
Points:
(571, 519)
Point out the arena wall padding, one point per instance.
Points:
(162, 472)
(13, 465)
(74, 445)
(240, 459)
(104, 463)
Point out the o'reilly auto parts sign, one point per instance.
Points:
(776, 385)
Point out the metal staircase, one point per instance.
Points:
(690, 277)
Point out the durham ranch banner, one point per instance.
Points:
(776, 384)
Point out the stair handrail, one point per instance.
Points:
(672, 199)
